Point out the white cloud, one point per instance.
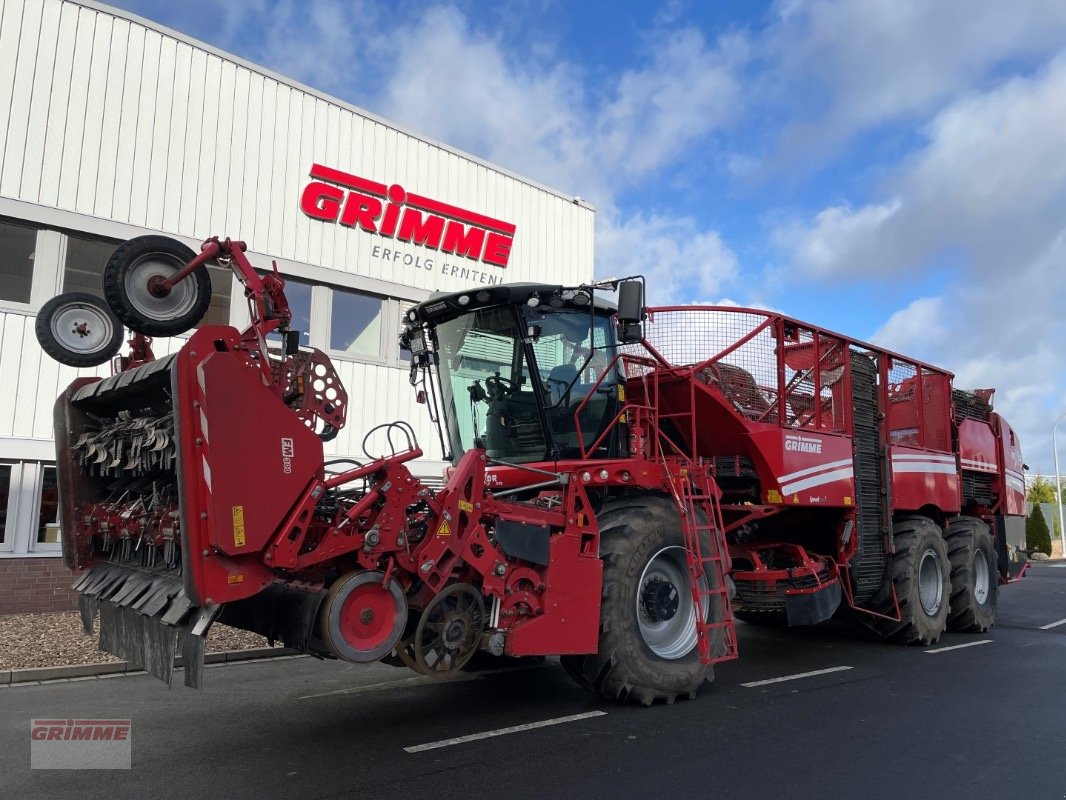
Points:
(660, 109)
(841, 240)
(678, 259)
(539, 121)
(914, 329)
(987, 191)
(846, 67)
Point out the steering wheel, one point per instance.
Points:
(499, 387)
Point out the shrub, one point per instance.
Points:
(1037, 535)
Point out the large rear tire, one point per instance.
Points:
(974, 581)
(128, 278)
(919, 571)
(647, 649)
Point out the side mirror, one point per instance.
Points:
(631, 311)
(631, 301)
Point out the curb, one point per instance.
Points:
(38, 674)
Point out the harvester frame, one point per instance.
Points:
(614, 496)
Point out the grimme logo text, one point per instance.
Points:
(395, 213)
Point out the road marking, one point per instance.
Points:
(425, 680)
(529, 726)
(959, 646)
(1053, 625)
(797, 676)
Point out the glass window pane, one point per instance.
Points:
(5, 494)
(299, 296)
(356, 324)
(84, 268)
(17, 245)
(221, 285)
(49, 513)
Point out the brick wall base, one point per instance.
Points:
(35, 584)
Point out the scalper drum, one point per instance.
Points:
(363, 618)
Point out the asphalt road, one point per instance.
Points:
(987, 720)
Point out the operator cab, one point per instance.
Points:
(524, 371)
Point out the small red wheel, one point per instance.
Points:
(363, 618)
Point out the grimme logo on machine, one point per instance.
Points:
(393, 212)
(802, 444)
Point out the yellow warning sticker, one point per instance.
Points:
(847, 500)
(465, 506)
(773, 496)
(236, 579)
(238, 526)
(795, 498)
(445, 529)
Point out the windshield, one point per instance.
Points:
(513, 380)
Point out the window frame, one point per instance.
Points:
(321, 316)
(11, 516)
(38, 493)
(381, 357)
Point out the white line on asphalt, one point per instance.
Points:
(414, 680)
(797, 676)
(959, 646)
(424, 680)
(1053, 625)
(473, 737)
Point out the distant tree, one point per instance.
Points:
(1041, 491)
(1037, 535)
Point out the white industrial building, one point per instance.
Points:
(113, 127)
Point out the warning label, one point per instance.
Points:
(238, 526)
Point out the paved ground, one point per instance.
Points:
(986, 720)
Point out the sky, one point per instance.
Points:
(894, 170)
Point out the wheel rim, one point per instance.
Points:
(981, 581)
(666, 613)
(179, 301)
(930, 582)
(81, 328)
(364, 619)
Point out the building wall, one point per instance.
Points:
(113, 127)
(35, 585)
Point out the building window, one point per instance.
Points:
(355, 324)
(84, 267)
(299, 296)
(84, 270)
(48, 514)
(17, 246)
(5, 499)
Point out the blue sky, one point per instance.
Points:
(892, 169)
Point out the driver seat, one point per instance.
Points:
(559, 378)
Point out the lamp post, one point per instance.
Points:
(1058, 480)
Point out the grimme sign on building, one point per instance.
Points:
(393, 212)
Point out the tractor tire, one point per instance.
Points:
(648, 646)
(126, 286)
(79, 330)
(919, 571)
(974, 580)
